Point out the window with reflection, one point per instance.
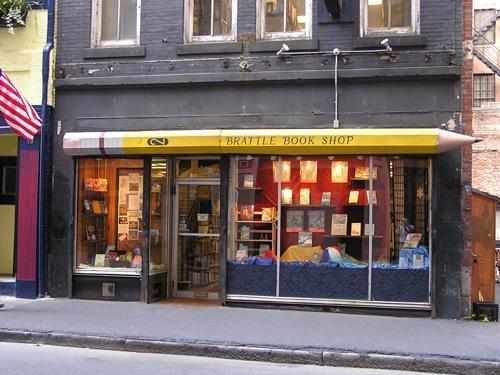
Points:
(211, 20)
(286, 18)
(390, 15)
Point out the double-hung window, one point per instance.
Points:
(386, 17)
(283, 19)
(210, 20)
(115, 22)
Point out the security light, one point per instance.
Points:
(284, 48)
(385, 43)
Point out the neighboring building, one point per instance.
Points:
(196, 156)
(21, 57)
(486, 117)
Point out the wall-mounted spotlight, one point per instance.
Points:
(385, 43)
(284, 48)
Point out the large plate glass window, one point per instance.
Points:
(210, 20)
(281, 19)
(109, 214)
(115, 22)
(330, 228)
(387, 17)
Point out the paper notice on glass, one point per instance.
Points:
(122, 237)
(133, 203)
(133, 177)
(123, 228)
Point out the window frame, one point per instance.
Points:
(412, 30)
(479, 81)
(188, 25)
(96, 28)
(261, 22)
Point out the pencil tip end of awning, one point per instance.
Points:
(450, 140)
(476, 140)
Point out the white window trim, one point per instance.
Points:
(188, 25)
(95, 39)
(413, 29)
(261, 21)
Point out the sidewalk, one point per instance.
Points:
(278, 335)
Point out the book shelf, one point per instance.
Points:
(203, 257)
(255, 236)
(93, 227)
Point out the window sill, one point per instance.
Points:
(394, 41)
(106, 52)
(275, 45)
(209, 48)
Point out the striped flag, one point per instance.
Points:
(17, 112)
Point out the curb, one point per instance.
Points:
(318, 357)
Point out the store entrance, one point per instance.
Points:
(197, 231)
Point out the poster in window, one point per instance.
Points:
(339, 172)
(294, 221)
(286, 169)
(325, 198)
(308, 171)
(286, 196)
(339, 224)
(305, 197)
(355, 229)
(316, 220)
(246, 212)
(373, 195)
(353, 196)
(305, 239)
(363, 173)
(248, 181)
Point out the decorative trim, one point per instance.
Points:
(209, 48)
(394, 41)
(275, 45)
(106, 52)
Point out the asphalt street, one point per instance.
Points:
(54, 360)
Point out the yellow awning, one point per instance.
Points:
(390, 141)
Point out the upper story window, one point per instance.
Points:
(210, 20)
(283, 19)
(115, 22)
(385, 17)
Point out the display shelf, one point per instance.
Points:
(363, 179)
(249, 189)
(360, 205)
(239, 240)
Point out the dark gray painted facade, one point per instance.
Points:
(165, 84)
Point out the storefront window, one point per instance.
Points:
(326, 227)
(400, 268)
(253, 213)
(109, 233)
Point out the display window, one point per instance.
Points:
(329, 227)
(109, 231)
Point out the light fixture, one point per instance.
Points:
(298, 157)
(284, 48)
(331, 157)
(385, 43)
(249, 157)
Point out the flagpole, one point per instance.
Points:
(43, 129)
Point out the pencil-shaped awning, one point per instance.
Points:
(266, 142)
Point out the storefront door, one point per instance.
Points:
(197, 236)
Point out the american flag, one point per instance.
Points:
(17, 112)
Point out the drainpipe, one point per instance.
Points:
(49, 44)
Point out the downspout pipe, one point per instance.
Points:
(49, 44)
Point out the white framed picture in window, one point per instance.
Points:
(389, 17)
(284, 19)
(209, 20)
(115, 22)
